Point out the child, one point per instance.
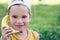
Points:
(19, 17)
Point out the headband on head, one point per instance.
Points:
(22, 2)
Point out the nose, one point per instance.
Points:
(19, 21)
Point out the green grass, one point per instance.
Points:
(45, 20)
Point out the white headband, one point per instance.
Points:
(23, 2)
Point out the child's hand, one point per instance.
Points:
(6, 32)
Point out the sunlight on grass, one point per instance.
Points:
(50, 2)
(37, 2)
(34, 2)
(4, 1)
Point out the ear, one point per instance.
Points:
(30, 15)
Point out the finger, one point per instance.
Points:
(5, 31)
(7, 35)
(8, 31)
(4, 27)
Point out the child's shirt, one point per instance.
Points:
(31, 36)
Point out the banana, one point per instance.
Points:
(5, 23)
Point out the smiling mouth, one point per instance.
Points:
(19, 26)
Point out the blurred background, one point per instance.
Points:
(45, 17)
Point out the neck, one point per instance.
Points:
(23, 31)
(23, 34)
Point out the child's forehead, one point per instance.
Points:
(20, 8)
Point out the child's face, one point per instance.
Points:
(19, 17)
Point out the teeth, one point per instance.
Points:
(19, 25)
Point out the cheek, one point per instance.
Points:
(26, 21)
(12, 21)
